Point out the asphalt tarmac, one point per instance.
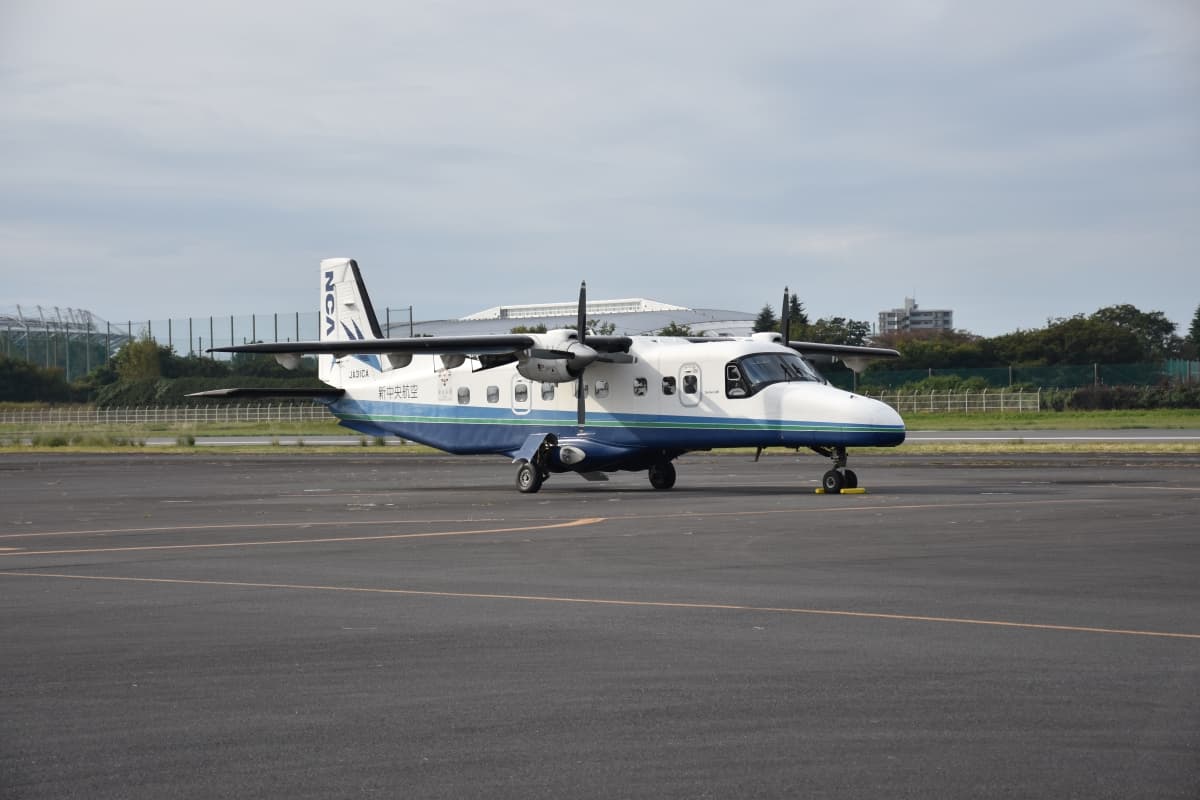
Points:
(382, 625)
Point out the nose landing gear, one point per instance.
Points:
(838, 478)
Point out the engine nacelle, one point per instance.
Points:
(558, 357)
(546, 370)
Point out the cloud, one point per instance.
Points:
(695, 151)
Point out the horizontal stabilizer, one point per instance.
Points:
(316, 393)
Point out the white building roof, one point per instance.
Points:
(627, 305)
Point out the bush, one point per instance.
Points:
(1122, 398)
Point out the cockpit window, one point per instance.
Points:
(749, 374)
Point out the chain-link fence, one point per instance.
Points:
(176, 415)
(80, 342)
(962, 402)
(1063, 376)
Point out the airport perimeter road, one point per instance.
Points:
(381, 625)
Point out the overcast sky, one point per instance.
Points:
(1012, 161)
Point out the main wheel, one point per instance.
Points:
(833, 482)
(529, 479)
(662, 475)
(849, 479)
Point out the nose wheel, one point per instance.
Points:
(838, 478)
(834, 481)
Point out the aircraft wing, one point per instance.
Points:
(856, 357)
(609, 344)
(316, 393)
(498, 344)
(838, 350)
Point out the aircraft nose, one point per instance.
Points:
(884, 418)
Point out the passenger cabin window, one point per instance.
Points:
(669, 384)
(521, 393)
(493, 394)
(464, 395)
(639, 387)
(691, 384)
(547, 391)
(749, 375)
(601, 388)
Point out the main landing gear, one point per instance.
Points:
(838, 478)
(529, 478)
(662, 474)
(531, 474)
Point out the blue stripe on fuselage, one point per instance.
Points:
(479, 429)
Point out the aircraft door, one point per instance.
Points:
(522, 395)
(689, 385)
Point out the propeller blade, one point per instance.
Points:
(785, 317)
(580, 412)
(581, 332)
(582, 314)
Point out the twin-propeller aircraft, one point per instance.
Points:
(568, 401)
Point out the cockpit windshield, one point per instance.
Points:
(749, 374)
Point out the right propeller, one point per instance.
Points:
(581, 332)
(785, 317)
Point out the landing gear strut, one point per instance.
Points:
(838, 478)
(532, 474)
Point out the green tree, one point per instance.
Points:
(601, 328)
(1154, 331)
(22, 381)
(839, 330)
(798, 324)
(766, 320)
(141, 360)
(675, 329)
(1075, 340)
(937, 349)
(1193, 336)
(539, 328)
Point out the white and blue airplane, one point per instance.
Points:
(568, 401)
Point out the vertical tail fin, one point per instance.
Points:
(346, 313)
(346, 310)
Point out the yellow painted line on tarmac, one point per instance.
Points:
(589, 601)
(326, 540)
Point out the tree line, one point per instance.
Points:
(1120, 334)
(144, 372)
